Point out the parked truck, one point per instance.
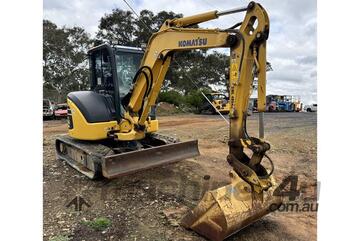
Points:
(285, 103)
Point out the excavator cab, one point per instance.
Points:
(112, 69)
(96, 115)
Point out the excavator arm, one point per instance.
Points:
(248, 54)
(247, 59)
(249, 196)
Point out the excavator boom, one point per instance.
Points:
(249, 196)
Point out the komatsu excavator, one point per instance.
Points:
(111, 132)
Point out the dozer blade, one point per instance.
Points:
(226, 210)
(95, 160)
(129, 162)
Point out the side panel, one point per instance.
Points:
(83, 130)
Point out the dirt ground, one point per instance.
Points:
(149, 204)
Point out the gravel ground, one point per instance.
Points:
(149, 204)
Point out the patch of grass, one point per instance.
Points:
(98, 224)
(60, 238)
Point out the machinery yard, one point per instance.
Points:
(148, 205)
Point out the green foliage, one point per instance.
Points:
(122, 27)
(197, 67)
(60, 238)
(65, 66)
(98, 224)
(172, 97)
(195, 100)
(64, 59)
(117, 26)
(162, 16)
(144, 26)
(189, 66)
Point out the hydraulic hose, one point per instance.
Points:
(272, 168)
(149, 82)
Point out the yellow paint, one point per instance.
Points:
(150, 126)
(83, 130)
(220, 213)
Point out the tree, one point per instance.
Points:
(117, 27)
(198, 70)
(65, 64)
(196, 100)
(121, 27)
(79, 42)
(64, 59)
(162, 16)
(145, 26)
(219, 63)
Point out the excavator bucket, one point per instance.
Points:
(95, 160)
(226, 210)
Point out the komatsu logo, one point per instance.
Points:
(193, 42)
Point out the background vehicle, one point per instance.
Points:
(219, 101)
(271, 103)
(298, 105)
(111, 133)
(310, 108)
(285, 103)
(61, 110)
(48, 109)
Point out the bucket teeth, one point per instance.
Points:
(226, 210)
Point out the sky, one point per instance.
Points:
(291, 47)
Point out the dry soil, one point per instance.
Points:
(149, 204)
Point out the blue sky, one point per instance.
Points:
(291, 46)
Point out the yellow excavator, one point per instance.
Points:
(219, 103)
(112, 131)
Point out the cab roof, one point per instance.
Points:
(116, 48)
